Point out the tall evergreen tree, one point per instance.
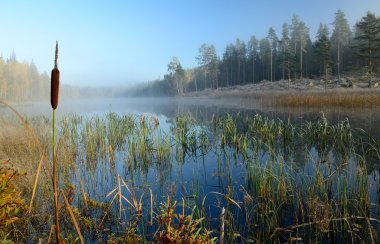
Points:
(369, 40)
(299, 38)
(252, 52)
(241, 54)
(340, 38)
(322, 49)
(272, 38)
(323, 30)
(287, 52)
(264, 58)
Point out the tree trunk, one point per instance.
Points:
(238, 78)
(283, 67)
(338, 60)
(271, 65)
(228, 76)
(205, 79)
(244, 72)
(178, 92)
(217, 85)
(301, 59)
(325, 75)
(196, 85)
(288, 74)
(253, 69)
(295, 56)
(231, 79)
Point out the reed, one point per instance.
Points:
(345, 99)
(54, 104)
(321, 196)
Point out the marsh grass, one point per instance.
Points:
(340, 98)
(322, 197)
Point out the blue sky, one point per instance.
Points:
(124, 42)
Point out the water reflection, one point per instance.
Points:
(204, 159)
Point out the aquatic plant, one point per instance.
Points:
(54, 104)
(278, 181)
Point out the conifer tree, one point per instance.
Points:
(369, 41)
(322, 49)
(340, 38)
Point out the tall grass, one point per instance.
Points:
(343, 99)
(277, 196)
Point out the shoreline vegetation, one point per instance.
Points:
(305, 93)
(280, 198)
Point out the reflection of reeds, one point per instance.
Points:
(279, 199)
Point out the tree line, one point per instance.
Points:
(290, 55)
(20, 81)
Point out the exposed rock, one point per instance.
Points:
(362, 84)
(375, 85)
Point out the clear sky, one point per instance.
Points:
(124, 42)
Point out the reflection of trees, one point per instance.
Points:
(337, 140)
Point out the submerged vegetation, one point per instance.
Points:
(127, 178)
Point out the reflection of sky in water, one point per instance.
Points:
(191, 180)
(201, 108)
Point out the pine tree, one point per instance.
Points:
(287, 52)
(322, 49)
(340, 38)
(252, 52)
(272, 38)
(264, 58)
(299, 38)
(369, 41)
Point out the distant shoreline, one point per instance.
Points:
(305, 92)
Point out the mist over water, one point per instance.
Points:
(192, 175)
(366, 119)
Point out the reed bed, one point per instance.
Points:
(336, 98)
(122, 175)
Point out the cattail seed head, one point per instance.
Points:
(55, 81)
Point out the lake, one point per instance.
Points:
(225, 166)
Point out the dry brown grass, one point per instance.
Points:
(336, 98)
(19, 146)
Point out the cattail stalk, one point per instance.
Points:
(54, 105)
(55, 81)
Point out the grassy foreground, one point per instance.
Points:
(305, 182)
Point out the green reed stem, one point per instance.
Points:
(55, 184)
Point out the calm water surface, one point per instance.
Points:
(198, 175)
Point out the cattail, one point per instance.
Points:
(55, 81)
